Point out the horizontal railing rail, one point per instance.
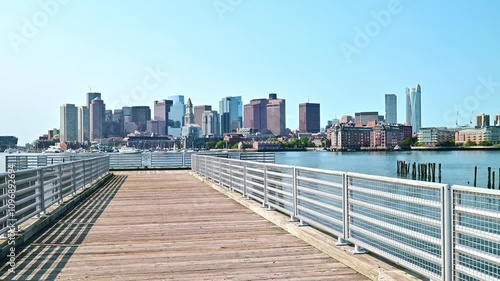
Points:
(28, 193)
(117, 161)
(440, 231)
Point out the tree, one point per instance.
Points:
(486, 143)
(272, 139)
(470, 143)
(210, 144)
(221, 145)
(235, 146)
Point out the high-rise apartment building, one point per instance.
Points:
(69, 123)
(413, 108)
(483, 120)
(230, 109)
(97, 118)
(391, 109)
(309, 118)
(83, 124)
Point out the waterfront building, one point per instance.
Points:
(391, 109)
(176, 115)
(198, 112)
(276, 115)
(230, 110)
(435, 136)
(413, 108)
(97, 118)
(68, 123)
(83, 124)
(7, 142)
(478, 135)
(364, 117)
(309, 118)
(90, 96)
(482, 120)
(210, 123)
(389, 136)
(348, 137)
(256, 115)
(161, 113)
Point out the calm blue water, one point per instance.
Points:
(457, 166)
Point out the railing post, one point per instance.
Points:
(73, 177)
(447, 234)
(231, 176)
(264, 203)
(220, 171)
(345, 224)
(295, 199)
(183, 160)
(245, 180)
(59, 175)
(41, 190)
(84, 174)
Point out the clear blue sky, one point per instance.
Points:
(250, 49)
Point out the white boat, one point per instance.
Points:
(11, 150)
(53, 149)
(128, 150)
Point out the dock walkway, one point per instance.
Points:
(165, 225)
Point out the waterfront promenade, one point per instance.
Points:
(162, 225)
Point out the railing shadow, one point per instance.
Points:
(46, 255)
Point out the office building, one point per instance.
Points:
(176, 115)
(83, 124)
(256, 115)
(276, 115)
(309, 118)
(198, 112)
(210, 123)
(391, 109)
(230, 109)
(140, 115)
(413, 108)
(97, 118)
(364, 117)
(90, 96)
(69, 123)
(161, 113)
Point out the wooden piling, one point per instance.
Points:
(475, 176)
(439, 172)
(493, 180)
(489, 177)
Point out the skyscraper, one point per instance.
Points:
(276, 115)
(256, 115)
(230, 109)
(309, 118)
(483, 120)
(413, 108)
(161, 113)
(69, 123)
(391, 109)
(176, 115)
(140, 116)
(83, 124)
(189, 117)
(198, 112)
(210, 123)
(90, 96)
(97, 117)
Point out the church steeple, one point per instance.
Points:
(189, 117)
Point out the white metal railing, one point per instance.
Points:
(442, 232)
(39, 188)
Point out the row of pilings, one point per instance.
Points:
(419, 171)
(491, 178)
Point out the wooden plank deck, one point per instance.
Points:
(164, 225)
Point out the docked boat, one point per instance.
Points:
(53, 149)
(128, 150)
(11, 150)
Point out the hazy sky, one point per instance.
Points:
(345, 55)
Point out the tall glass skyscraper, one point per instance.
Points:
(413, 108)
(69, 123)
(231, 114)
(391, 109)
(176, 115)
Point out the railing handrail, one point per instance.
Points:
(314, 198)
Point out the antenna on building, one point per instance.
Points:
(90, 89)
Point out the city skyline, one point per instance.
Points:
(295, 49)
